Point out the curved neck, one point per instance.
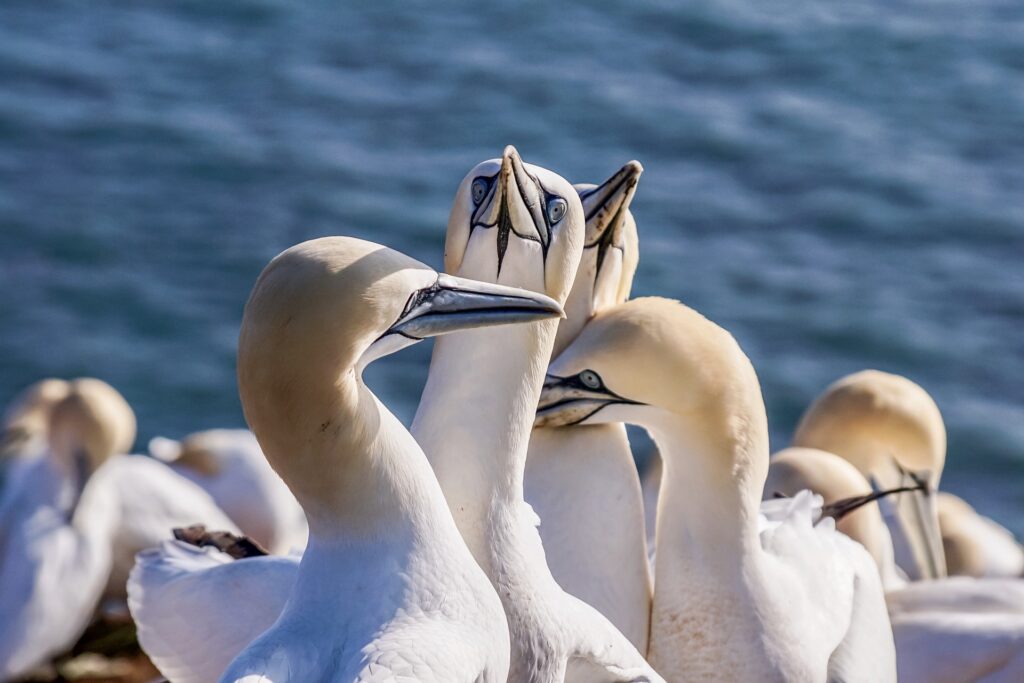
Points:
(475, 416)
(709, 499)
(356, 471)
(709, 573)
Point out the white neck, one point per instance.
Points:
(707, 510)
(708, 561)
(474, 421)
(582, 483)
(352, 465)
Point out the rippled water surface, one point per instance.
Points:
(839, 184)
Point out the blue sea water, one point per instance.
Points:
(841, 185)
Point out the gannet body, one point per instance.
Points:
(54, 566)
(25, 483)
(582, 481)
(738, 595)
(890, 429)
(386, 586)
(521, 225)
(975, 545)
(52, 573)
(197, 608)
(955, 629)
(229, 465)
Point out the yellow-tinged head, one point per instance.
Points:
(792, 470)
(27, 417)
(872, 417)
(649, 355)
(90, 424)
(321, 311)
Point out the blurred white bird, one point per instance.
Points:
(953, 630)
(975, 545)
(229, 465)
(890, 429)
(75, 517)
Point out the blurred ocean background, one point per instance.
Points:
(841, 185)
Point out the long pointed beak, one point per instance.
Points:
(516, 182)
(453, 303)
(839, 509)
(605, 205)
(566, 401)
(913, 522)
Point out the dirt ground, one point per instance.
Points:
(107, 653)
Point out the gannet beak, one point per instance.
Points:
(515, 181)
(453, 303)
(605, 205)
(839, 509)
(568, 401)
(913, 521)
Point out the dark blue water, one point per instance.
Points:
(839, 184)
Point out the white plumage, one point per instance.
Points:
(955, 629)
(582, 481)
(741, 591)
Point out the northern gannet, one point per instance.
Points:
(52, 569)
(235, 601)
(795, 602)
(24, 441)
(582, 481)
(386, 588)
(521, 225)
(954, 629)
(229, 465)
(75, 518)
(68, 540)
(890, 429)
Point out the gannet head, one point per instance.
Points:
(323, 309)
(652, 361)
(27, 417)
(90, 424)
(352, 301)
(518, 224)
(610, 251)
(792, 470)
(891, 430)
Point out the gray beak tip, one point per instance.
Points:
(634, 168)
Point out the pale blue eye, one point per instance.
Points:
(556, 209)
(479, 190)
(590, 379)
